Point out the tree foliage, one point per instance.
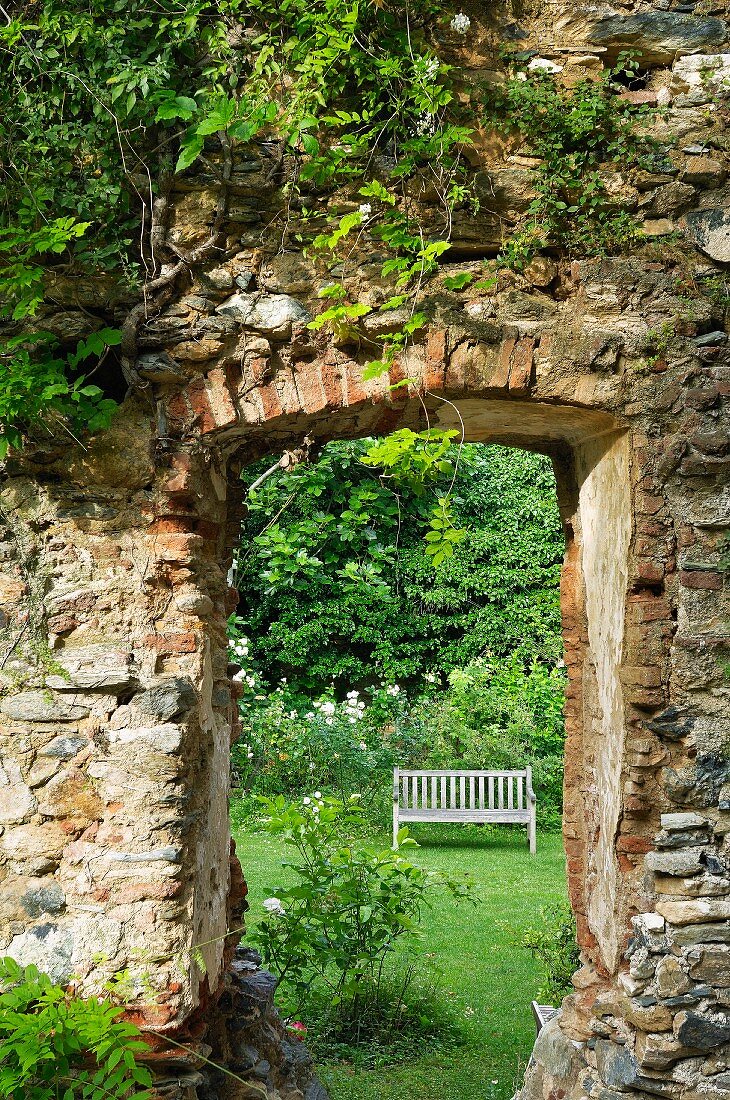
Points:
(349, 595)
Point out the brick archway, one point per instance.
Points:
(116, 743)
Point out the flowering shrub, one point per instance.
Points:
(334, 933)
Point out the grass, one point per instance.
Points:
(487, 981)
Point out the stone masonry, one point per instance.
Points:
(116, 706)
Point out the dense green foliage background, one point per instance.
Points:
(357, 654)
(349, 598)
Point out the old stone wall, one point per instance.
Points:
(117, 710)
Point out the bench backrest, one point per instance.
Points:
(461, 790)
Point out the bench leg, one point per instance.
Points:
(532, 831)
(395, 827)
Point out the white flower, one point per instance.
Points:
(250, 755)
(317, 794)
(363, 746)
(425, 124)
(292, 714)
(239, 676)
(366, 209)
(328, 707)
(306, 801)
(431, 67)
(393, 690)
(329, 721)
(311, 767)
(309, 715)
(273, 905)
(460, 23)
(353, 694)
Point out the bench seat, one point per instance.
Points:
(477, 797)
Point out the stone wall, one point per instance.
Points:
(117, 710)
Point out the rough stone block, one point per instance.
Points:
(93, 668)
(41, 706)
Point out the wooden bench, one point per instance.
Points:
(500, 798)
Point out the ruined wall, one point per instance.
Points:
(117, 710)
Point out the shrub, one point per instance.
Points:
(553, 943)
(333, 935)
(55, 1046)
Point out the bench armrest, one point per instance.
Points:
(531, 794)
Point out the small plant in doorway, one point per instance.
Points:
(553, 944)
(344, 939)
(57, 1046)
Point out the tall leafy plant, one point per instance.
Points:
(56, 1046)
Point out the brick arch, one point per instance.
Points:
(116, 758)
(489, 392)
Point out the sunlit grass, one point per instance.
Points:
(487, 981)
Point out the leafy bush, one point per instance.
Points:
(575, 131)
(332, 936)
(55, 1046)
(553, 944)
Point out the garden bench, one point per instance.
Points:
(498, 798)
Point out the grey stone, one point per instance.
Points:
(94, 668)
(699, 784)
(710, 339)
(687, 1000)
(217, 279)
(671, 723)
(712, 966)
(555, 1052)
(686, 861)
(674, 823)
(63, 748)
(672, 981)
(45, 899)
(702, 1032)
(244, 280)
(167, 699)
(41, 706)
(691, 838)
(703, 934)
(709, 230)
(713, 863)
(616, 1065)
(262, 1069)
(46, 946)
(154, 855)
(657, 35)
(316, 1091)
(272, 314)
(158, 366)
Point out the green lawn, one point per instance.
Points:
(489, 982)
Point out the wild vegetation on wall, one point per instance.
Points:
(103, 104)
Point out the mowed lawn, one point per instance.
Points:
(488, 982)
